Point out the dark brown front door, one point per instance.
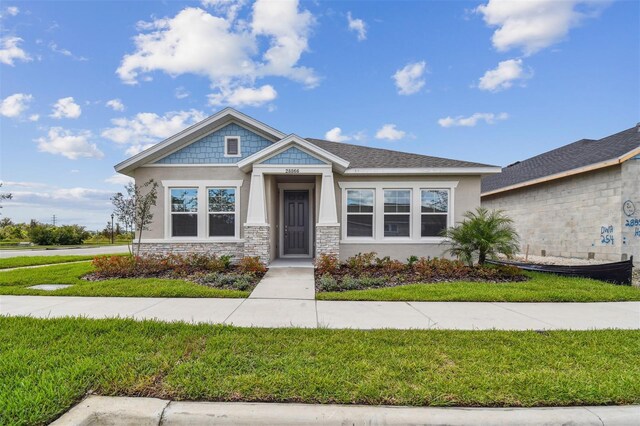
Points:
(296, 222)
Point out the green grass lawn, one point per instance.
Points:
(16, 262)
(14, 246)
(540, 288)
(16, 282)
(46, 366)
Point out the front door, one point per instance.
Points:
(296, 223)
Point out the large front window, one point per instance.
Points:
(184, 212)
(360, 212)
(397, 212)
(222, 212)
(434, 207)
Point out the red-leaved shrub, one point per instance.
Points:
(327, 263)
(251, 265)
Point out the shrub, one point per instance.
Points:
(328, 283)
(411, 260)
(327, 263)
(47, 235)
(361, 261)
(232, 281)
(251, 265)
(114, 266)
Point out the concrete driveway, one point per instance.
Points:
(65, 252)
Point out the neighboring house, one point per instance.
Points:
(231, 184)
(580, 200)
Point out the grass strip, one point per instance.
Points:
(540, 288)
(46, 366)
(16, 283)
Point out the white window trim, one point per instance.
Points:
(449, 209)
(235, 212)
(203, 213)
(416, 212)
(410, 214)
(171, 212)
(226, 154)
(345, 213)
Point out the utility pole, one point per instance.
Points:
(54, 220)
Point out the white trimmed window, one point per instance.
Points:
(434, 212)
(360, 206)
(232, 146)
(222, 212)
(397, 213)
(184, 212)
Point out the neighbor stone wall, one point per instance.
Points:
(235, 249)
(257, 242)
(630, 225)
(327, 239)
(569, 217)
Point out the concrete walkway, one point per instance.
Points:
(259, 312)
(152, 411)
(65, 252)
(286, 282)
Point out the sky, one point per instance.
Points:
(86, 84)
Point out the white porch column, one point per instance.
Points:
(256, 214)
(328, 213)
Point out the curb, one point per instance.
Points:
(101, 410)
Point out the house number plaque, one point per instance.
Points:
(292, 171)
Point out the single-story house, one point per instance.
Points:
(580, 200)
(233, 185)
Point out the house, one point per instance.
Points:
(233, 185)
(580, 200)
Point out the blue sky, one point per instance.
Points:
(85, 84)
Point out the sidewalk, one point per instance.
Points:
(152, 411)
(259, 312)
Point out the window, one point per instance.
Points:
(184, 212)
(232, 146)
(397, 212)
(360, 212)
(222, 212)
(434, 212)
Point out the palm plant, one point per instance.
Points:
(484, 234)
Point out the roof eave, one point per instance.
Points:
(579, 170)
(484, 170)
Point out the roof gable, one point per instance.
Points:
(210, 148)
(293, 155)
(577, 157)
(196, 132)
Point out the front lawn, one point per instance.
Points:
(46, 366)
(16, 282)
(17, 262)
(539, 288)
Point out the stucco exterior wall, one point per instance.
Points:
(569, 217)
(143, 174)
(630, 226)
(466, 197)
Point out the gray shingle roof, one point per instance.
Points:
(582, 153)
(364, 157)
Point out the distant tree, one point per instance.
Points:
(4, 196)
(482, 234)
(134, 208)
(5, 221)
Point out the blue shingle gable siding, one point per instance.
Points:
(293, 155)
(210, 149)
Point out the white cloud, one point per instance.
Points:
(34, 117)
(10, 51)
(146, 128)
(409, 80)
(533, 25)
(503, 76)
(65, 52)
(230, 8)
(37, 194)
(118, 179)
(390, 132)
(13, 106)
(472, 120)
(359, 26)
(335, 135)
(227, 50)
(68, 144)
(10, 11)
(115, 104)
(243, 96)
(66, 108)
(181, 93)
